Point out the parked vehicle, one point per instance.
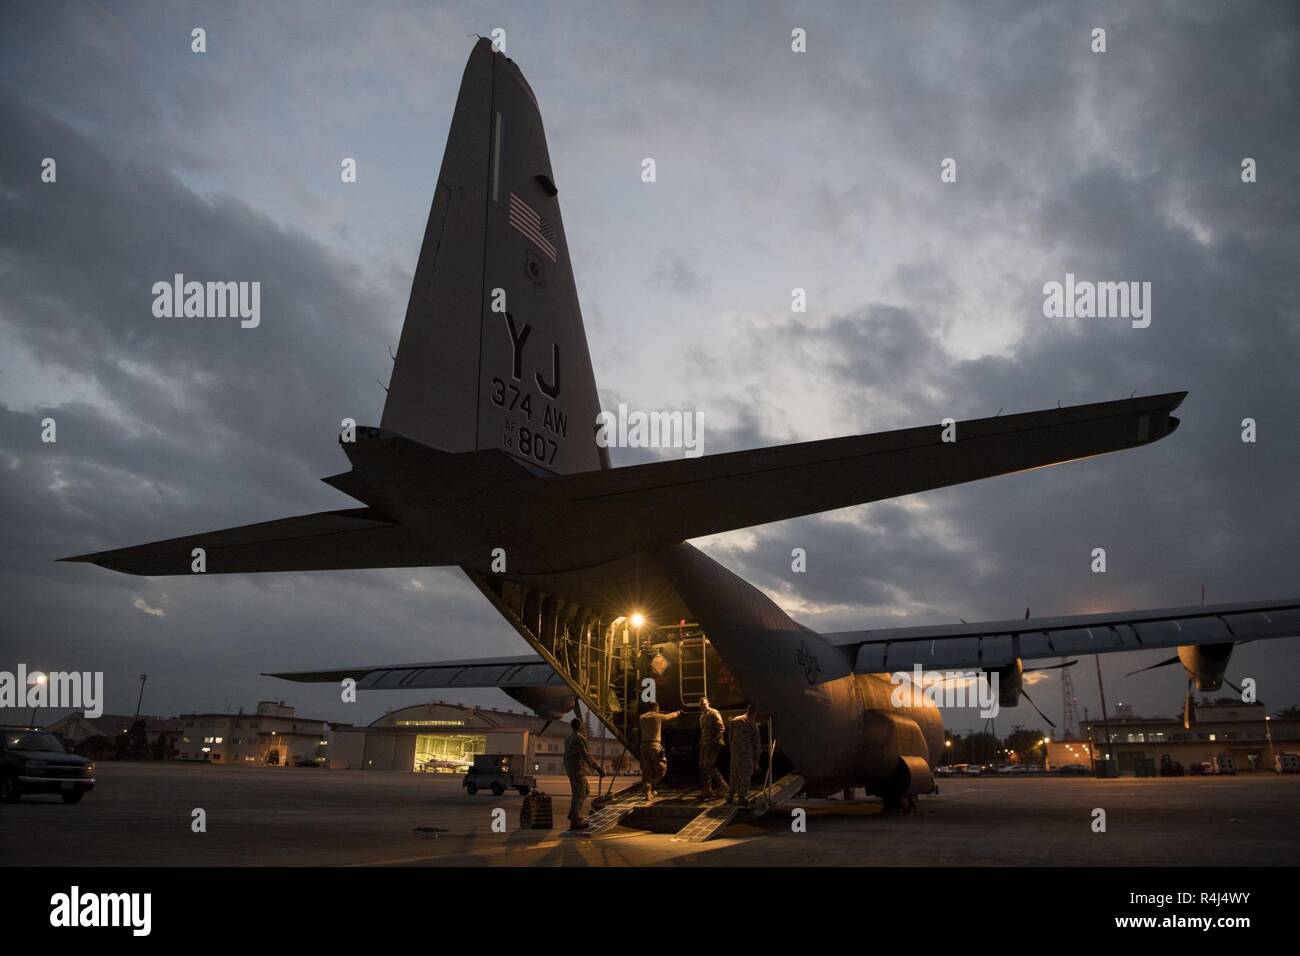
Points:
(496, 772)
(1286, 763)
(33, 761)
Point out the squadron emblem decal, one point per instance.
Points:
(808, 662)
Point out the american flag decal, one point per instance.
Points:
(537, 229)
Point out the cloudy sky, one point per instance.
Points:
(776, 170)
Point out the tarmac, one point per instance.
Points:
(141, 814)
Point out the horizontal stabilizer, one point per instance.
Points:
(485, 672)
(995, 644)
(325, 541)
(692, 497)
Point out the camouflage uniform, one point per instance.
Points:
(654, 762)
(712, 737)
(744, 755)
(577, 761)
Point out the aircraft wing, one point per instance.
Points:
(325, 541)
(997, 643)
(484, 672)
(691, 497)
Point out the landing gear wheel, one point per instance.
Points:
(901, 804)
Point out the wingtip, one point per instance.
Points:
(99, 559)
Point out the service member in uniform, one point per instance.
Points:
(744, 755)
(577, 761)
(654, 762)
(712, 737)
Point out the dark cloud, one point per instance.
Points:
(678, 275)
(776, 171)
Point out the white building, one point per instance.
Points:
(274, 734)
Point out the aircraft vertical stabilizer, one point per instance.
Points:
(493, 354)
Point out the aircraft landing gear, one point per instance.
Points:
(900, 803)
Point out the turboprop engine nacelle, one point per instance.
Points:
(1011, 683)
(549, 702)
(1205, 663)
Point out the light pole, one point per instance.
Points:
(143, 678)
(947, 749)
(36, 680)
(1268, 732)
(1105, 720)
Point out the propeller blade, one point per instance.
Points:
(1234, 686)
(1172, 660)
(1035, 706)
(1050, 667)
(1189, 709)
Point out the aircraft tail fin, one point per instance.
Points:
(493, 354)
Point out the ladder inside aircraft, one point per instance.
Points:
(692, 670)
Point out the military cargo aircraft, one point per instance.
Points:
(486, 458)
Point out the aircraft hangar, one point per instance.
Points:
(445, 737)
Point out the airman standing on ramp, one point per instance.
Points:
(577, 761)
(712, 737)
(654, 762)
(744, 755)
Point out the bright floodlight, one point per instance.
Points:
(638, 620)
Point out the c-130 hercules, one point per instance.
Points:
(487, 441)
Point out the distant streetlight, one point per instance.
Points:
(36, 680)
(143, 678)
